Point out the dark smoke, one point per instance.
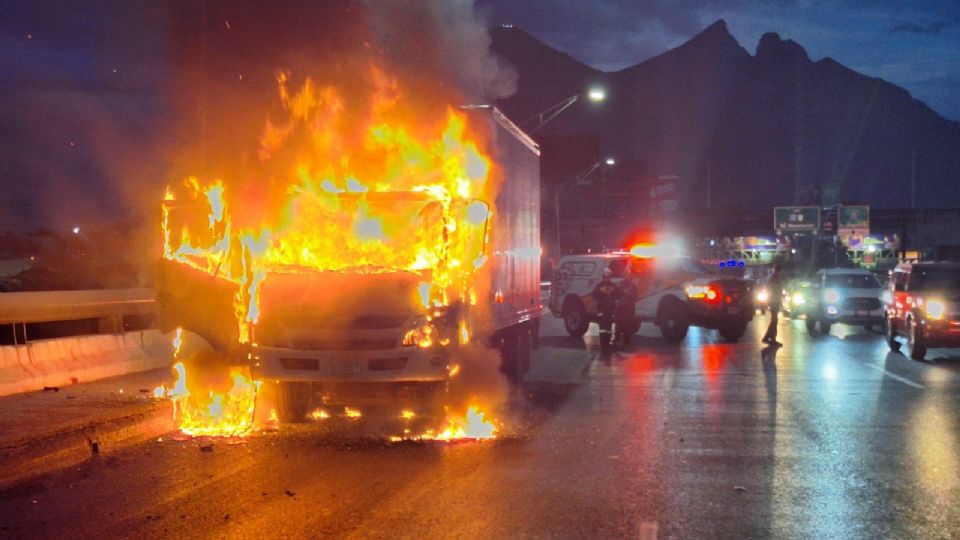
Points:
(443, 37)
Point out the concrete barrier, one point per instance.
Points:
(60, 362)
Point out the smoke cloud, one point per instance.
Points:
(444, 37)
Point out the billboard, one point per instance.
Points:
(796, 219)
(853, 221)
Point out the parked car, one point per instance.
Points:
(843, 295)
(922, 304)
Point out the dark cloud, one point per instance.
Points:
(934, 28)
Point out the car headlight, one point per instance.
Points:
(763, 296)
(798, 299)
(422, 334)
(831, 296)
(935, 309)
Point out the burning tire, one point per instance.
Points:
(294, 401)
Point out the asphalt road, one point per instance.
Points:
(829, 437)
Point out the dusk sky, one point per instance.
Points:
(915, 45)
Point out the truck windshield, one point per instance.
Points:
(935, 279)
(852, 281)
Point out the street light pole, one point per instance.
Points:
(595, 95)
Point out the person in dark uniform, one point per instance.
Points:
(605, 294)
(775, 290)
(625, 317)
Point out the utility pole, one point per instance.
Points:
(709, 185)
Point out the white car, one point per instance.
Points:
(844, 295)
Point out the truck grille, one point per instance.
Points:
(343, 344)
(861, 304)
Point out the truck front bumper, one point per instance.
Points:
(941, 334)
(406, 364)
(845, 316)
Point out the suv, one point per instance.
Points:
(923, 305)
(674, 293)
(843, 295)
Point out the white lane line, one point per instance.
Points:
(894, 376)
(647, 530)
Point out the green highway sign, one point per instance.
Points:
(796, 219)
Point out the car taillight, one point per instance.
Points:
(710, 294)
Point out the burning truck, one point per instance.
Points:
(363, 260)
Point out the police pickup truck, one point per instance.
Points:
(674, 293)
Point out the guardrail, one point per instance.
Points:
(108, 306)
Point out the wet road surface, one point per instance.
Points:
(827, 437)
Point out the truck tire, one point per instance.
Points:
(891, 335)
(294, 400)
(515, 353)
(732, 332)
(535, 334)
(825, 327)
(575, 320)
(915, 345)
(672, 320)
(811, 325)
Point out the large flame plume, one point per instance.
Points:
(335, 185)
(369, 194)
(206, 411)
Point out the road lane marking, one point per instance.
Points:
(647, 530)
(895, 377)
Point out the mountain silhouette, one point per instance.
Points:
(772, 128)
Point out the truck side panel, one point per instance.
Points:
(513, 276)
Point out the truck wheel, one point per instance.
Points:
(535, 334)
(575, 320)
(733, 331)
(515, 353)
(915, 345)
(293, 401)
(891, 335)
(811, 326)
(672, 320)
(825, 327)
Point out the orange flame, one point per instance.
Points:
(398, 197)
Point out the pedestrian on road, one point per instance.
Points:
(605, 294)
(775, 291)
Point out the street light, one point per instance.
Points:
(594, 95)
(579, 180)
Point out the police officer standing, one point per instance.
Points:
(775, 290)
(605, 294)
(626, 310)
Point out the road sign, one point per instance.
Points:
(796, 219)
(853, 221)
